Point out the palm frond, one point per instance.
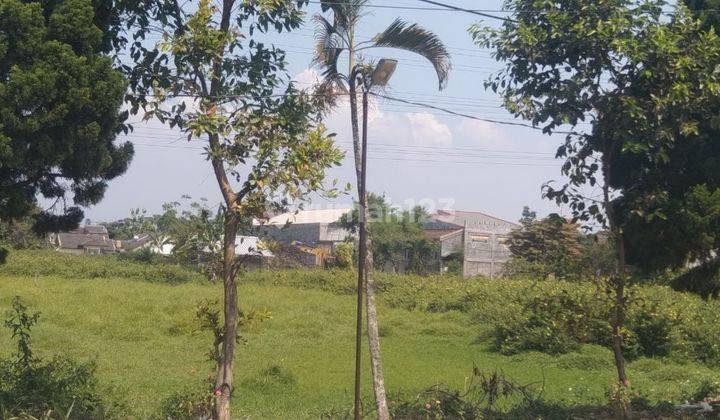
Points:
(329, 45)
(345, 12)
(414, 38)
(327, 39)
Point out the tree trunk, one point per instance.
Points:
(367, 267)
(224, 379)
(617, 283)
(370, 307)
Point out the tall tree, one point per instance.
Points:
(60, 102)
(685, 227)
(636, 76)
(213, 78)
(334, 39)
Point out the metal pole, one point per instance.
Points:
(362, 256)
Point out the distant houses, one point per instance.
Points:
(84, 240)
(313, 233)
(479, 239)
(473, 239)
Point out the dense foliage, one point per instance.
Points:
(398, 242)
(60, 102)
(556, 246)
(644, 82)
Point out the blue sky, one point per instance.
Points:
(416, 155)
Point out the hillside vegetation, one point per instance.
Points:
(137, 322)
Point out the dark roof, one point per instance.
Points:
(91, 230)
(434, 224)
(87, 236)
(475, 220)
(438, 234)
(135, 243)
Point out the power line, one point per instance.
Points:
(459, 114)
(379, 156)
(398, 146)
(460, 9)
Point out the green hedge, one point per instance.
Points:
(51, 263)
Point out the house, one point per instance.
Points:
(315, 232)
(477, 237)
(136, 243)
(91, 239)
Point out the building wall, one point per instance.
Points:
(452, 245)
(485, 253)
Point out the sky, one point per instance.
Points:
(417, 156)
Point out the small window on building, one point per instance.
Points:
(480, 239)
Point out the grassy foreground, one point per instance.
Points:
(299, 364)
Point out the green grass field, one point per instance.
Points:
(299, 363)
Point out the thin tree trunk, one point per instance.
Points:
(371, 308)
(372, 322)
(224, 379)
(617, 283)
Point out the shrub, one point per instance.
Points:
(189, 404)
(703, 280)
(343, 255)
(59, 388)
(435, 403)
(555, 322)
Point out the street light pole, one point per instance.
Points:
(379, 77)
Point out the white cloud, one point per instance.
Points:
(307, 78)
(483, 133)
(427, 129)
(487, 135)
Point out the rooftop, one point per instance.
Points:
(307, 217)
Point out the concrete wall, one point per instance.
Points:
(452, 245)
(485, 253)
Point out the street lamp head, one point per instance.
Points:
(383, 72)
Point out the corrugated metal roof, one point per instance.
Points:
(476, 221)
(70, 240)
(308, 217)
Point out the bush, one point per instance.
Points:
(550, 322)
(190, 404)
(435, 403)
(59, 388)
(703, 280)
(343, 255)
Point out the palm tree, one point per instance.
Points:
(333, 40)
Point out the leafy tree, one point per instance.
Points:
(528, 216)
(549, 246)
(334, 39)
(60, 102)
(262, 137)
(707, 11)
(398, 238)
(681, 229)
(19, 234)
(556, 246)
(642, 82)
